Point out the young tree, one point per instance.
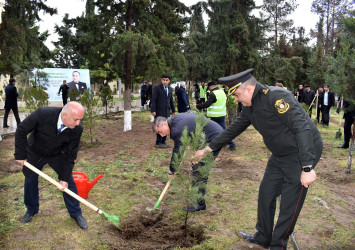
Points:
(182, 165)
(90, 103)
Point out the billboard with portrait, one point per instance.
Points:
(76, 79)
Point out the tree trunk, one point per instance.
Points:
(127, 74)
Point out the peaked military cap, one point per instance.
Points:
(211, 83)
(233, 82)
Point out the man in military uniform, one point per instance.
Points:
(296, 147)
(174, 127)
(216, 106)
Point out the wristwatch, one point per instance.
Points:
(307, 169)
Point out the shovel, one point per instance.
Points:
(114, 219)
(162, 195)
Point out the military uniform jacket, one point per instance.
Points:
(284, 124)
(59, 150)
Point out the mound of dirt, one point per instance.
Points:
(150, 230)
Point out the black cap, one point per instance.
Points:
(280, 81)
(12, 80)
(211, 83)
(233, 82)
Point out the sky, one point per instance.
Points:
(302, 16)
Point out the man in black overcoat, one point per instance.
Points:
(54, 139)
(11, 95)
(162, 103)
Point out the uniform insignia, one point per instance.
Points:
(265, 91)
(282, 106)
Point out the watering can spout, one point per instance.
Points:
(91, 184)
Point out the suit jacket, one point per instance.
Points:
(64, 89)
(331, 98)
(11, 96)
(82, 87)
(59, 150)
(162, 103)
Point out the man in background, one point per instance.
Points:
(182, 98)
(11, 95)
(327, 103)
(64, 89)
(308, 97)
(162, 103)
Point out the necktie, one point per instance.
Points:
(60, 129)
(166, 90)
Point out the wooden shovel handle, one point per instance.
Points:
(165, 189)
(55, 183)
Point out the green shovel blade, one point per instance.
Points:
(114, 219)
(156, 205)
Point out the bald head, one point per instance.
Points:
(72, 114)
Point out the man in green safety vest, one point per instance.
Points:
(203, 92)
(216, 107)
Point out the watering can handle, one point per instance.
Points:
(80, 173)
(54, 182)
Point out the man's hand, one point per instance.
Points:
(20, 162)
(154, 113)
(307, 178)
(200, 153)
(172, 174)
(64, 185)
(173, 113)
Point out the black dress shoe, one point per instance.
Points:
(5, 126)
(27, 218)
(195, 208)
(81, 222)
(344, 146)
(251, 239)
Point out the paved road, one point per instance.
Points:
(12, 122)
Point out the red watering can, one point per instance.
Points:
(82, 183)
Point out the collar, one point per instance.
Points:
(169, 121)
(60, 122)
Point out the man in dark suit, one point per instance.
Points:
(76, 84)
(308, 97)
(54, 139)
(162, 102)
(64, 89)
(11, 102)
(327, 103)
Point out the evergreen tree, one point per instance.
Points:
(277, 11)
(340, 73)
(21, 44)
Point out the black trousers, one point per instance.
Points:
(200, 180)
(6, 115)
(318, 114)
(32, 198)
(347, 128)
(325, 114)
(282, 177)
(160, 139)
(65, 99)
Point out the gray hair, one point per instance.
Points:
(250, 82)
(158, 121)
(182, 84)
